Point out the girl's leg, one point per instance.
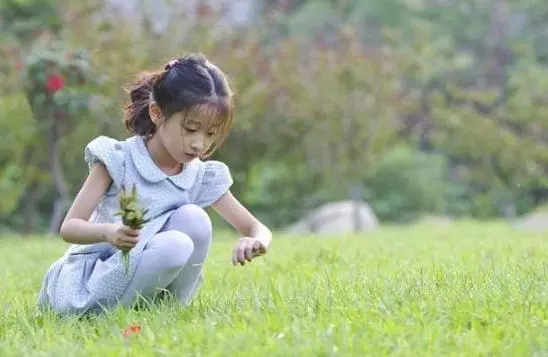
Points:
(194, 222)
(162, 260)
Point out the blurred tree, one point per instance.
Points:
(471, 96)
(325, 91)
(55, 83)
(470, 71)
(345, 107)
(27, 19)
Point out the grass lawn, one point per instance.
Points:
(475, 289)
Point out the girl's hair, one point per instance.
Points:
(191, 85)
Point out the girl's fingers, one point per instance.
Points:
(238, 254)
(241, 254)
(125, 245)
(248, 252)
(258, 248)
(130, 231)
(129, 240)
(235, 255)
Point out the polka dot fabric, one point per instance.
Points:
(92, 277)
(109, 152)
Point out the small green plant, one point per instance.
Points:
(133, 216)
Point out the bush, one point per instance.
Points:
(407, 183)
(279, 193)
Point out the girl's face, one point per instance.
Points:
(186, 137)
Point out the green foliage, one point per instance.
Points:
(132, 215)
(406, 183)
(341, 113)
(16, 151)
(11, 188)
(279, 194)
(327, 92)
(304, 21)
(26, 18)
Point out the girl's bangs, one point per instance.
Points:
(214, 114)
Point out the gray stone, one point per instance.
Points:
(537, 221)
(336, 218)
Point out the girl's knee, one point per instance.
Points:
(174, 247)
(195, 222)
(194, 212)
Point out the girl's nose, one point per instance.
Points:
(197, 144)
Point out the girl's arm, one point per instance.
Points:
(257, 237)
(241, 219)
(76, 228)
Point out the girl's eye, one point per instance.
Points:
(211, 134)
(190, 130)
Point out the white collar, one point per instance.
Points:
(152, 173)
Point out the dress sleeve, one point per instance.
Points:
(216, 181)
(109, 152)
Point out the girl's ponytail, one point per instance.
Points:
(136, 113)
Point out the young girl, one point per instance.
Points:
(179, 116)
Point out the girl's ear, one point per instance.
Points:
(155, 114)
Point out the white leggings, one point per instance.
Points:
(172, 260)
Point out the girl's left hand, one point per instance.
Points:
(247, 249)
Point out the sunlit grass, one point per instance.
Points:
(470, 290)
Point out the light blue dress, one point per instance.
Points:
(91, 277)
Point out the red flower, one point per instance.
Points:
(203, 10)
(132, 330)
(55, 83)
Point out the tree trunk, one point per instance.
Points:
(495, 44)
(61, 204)
(60, 207)
(30, 209)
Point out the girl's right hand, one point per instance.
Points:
(122, 236)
